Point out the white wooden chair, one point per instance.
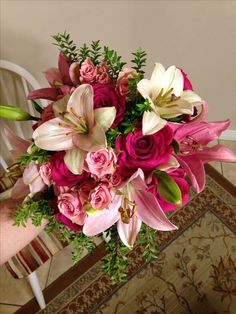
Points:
(15, 84)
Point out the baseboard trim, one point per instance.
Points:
(228, 135)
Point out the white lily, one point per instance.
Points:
(166, 96)
(78, 130)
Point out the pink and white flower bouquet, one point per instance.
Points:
(113, 151)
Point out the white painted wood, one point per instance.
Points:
(106, 237)
(10, 66)
(35, 285)
(228, 135)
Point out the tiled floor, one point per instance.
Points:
(14, 293)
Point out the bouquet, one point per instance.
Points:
(114, 151)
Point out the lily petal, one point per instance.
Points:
(148, 209)
(202, 115)
(16, 141)
(53, 77)
(64, 66)
(190, 96)
(98, 223)
(202, 132)
(32, 178)
(194, 169)
(52, 136)
(128, 232)
(147, 89)
(152, 123)
(81, 104)
(216, 153)
(20, 189)
(171, 164)
(48, 93)
(175, 108)
(95, 140)
(105, 117)
(60, 105)
(74, 160)
(172, 78)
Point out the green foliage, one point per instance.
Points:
(36, 210)
(114, 62)
(95, 51)
(115, 262)
(35, 154)
(66, 45)
(134, 95)
(175, 146)
(139, 60)
(36, 106)
(84, 52)
(134, 113)
(148, 239)
(112, 135)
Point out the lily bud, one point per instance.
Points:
(15, 113)
(168, 188)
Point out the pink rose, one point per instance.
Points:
(105, 95)
(70, 225)
(88, 72)
(61, 175)
(101, 162)
(46, 173)
(123, 80)
(145, 152)
(70, 206)
(187, 83)
(102, 196)
(178, 176)
(103, 76)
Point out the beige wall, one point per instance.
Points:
(199, 36)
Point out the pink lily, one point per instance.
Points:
(18, 144)
(60, 80)
(129, 210)
(194, 152)
(78, 130)
(30, 183)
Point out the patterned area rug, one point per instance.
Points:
(195, 271)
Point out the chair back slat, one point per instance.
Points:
(15, 85)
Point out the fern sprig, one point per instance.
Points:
(84, 52)
(114, 62)
(139, 60)
(66, 45)
(95, 52)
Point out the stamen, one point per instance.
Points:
(189, 145)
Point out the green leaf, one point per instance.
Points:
(168, 188)
(36, 106)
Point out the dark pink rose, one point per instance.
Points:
(178, 176)
(105, 95)
(187, 83)
(61, 175)
(145, 152)
(70, 225)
